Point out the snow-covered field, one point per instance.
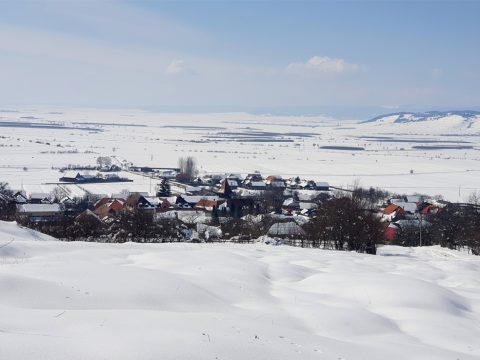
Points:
(79, 300)
(242, 143)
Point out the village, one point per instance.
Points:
(213, 207)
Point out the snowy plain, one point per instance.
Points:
(241, 143)
(62, 300)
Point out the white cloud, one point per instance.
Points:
(176, 67)
(323, 65)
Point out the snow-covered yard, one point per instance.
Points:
(79, 300)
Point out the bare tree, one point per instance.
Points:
(344, 224)
(58, 193)
(188, 166)
(104, 161)
(7, 205)
(272, 200)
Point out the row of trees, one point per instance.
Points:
(132, 225)
(455, 227)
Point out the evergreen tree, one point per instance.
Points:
(164, 188)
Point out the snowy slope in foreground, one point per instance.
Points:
(12, 231)
(184, 301)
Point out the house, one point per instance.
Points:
(72, 207)
(70, 176)
(392, 208)
(286, 229)
(192, 200)
(102, 201)
(85, 178)
(211, 179)
(109, 208)
(307, 185)
(256, 176)
(76, 177)
(391, 231)
(429, 209)
(255, 185)
(88, 216)
(322, 186)
(164, 204)
(39, 212)
(138, 201)
(233, 183)
(404, 224)
(20, 198)
(111, 177)
(39, 198)
(293, 183)
(144, 202)
(275, 182)
(159, 204)
(181, 188)
(408, 207)
(237, 177)
(209, 205)
(271, 178)
(290, 204)
(314, 185)
(392, 212)
(181, 203)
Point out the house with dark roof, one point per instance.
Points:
(39, 198)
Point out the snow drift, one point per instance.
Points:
(205, 301)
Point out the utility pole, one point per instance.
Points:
(420, 228)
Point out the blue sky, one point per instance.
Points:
(309, 56)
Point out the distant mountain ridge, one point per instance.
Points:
(409, 117)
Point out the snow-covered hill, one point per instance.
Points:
(218, 301)
(432, 121)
